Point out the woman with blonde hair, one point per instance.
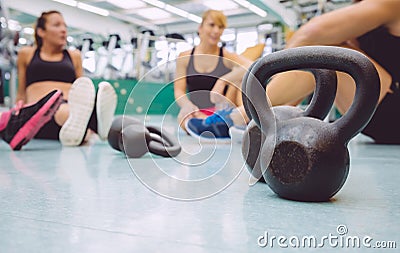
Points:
(206, 66)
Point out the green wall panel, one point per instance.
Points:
(138, 97)
(143, 97)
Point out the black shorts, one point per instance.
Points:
(384, 126)
(50, 130)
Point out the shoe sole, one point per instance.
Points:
(206, 139)
(106, 104)
(80, 103)
(36, 122)
(236, 134)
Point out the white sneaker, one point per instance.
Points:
(236, 133)
(81, 101)
(106, 104)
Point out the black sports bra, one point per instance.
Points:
(384, 48)
(199, 84)
(39, 70)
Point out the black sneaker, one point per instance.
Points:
(20, 124)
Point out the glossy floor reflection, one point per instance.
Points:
(92, 199)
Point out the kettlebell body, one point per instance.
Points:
(252, 142)
(310, 160)
(309, 163)
(319, 107)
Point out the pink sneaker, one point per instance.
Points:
(20, 124)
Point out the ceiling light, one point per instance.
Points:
(154, 13)
(243, 3)
(124, 4)
(221, 5)
(194, 18)
(252, 7)
(156, 3)
(171, 9)
(176, 11)
(93, 9)
(258, 11)
(67, 2)
(85, 7)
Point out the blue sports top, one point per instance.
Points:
(39, 70)
(199, 84)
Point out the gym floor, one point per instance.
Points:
(92, 199)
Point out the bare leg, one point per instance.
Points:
(62, 114)
(346, 88)
(231, 95)
(287, 87)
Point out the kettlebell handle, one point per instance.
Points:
(322, 100)
(324, 94)
(162, 143)
(352, 62)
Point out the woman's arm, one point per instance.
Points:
(188, 109)
(77, 61)
(336, 27)
(22, 62)
(180, 80)
(239, 65)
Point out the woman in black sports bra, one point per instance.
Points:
(206, 67)
(370, 26)
(50, 66)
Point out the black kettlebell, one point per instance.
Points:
(319, 107)
(129, 135)
(311, 161)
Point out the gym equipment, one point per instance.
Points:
(311, 161)
(129, 135)
(319, 107)
(138, 58)
(116, 129)
(88, 56)
(169, 67)
(107, 64)
(86, 46)
(9, 41)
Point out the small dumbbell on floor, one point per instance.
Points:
(130, 136)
